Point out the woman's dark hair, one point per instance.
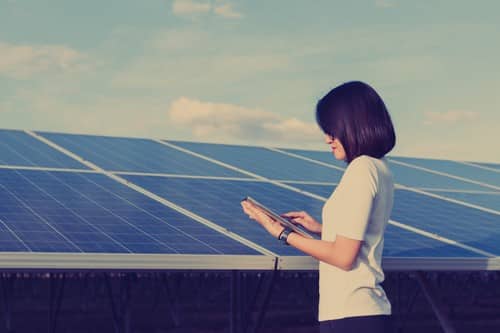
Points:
(356, 115)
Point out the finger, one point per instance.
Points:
(256, 214)
(248, 211)
(293, 214)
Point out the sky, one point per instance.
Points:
(251, 72)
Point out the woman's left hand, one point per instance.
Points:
(272, 226)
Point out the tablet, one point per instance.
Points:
(283, 220)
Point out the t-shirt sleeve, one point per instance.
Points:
(354, 198)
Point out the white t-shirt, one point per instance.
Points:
(359, 208)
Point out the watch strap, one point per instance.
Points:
(283, 236)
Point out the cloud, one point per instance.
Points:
(124, 115)
(220, 122)
(449, 117)
(23, 61)
(227, 10)
(190, 8)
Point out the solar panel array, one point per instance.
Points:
(80, 201)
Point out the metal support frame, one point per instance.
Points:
(267, 298)
(242, 307)
(437, 306)
(403, 312)
(171, 300)
(56, 291)
(235, 325)
(7, 283)
(120, 308)
(85, 294)
(310, 293)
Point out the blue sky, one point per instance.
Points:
(250, 72)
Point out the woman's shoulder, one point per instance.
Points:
(372, 167)
(364, 162)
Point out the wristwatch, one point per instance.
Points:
(283, 236)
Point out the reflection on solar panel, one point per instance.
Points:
(151, 204)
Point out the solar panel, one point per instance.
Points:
(494, 166)
(324, 156)
(470, 226)
(218, 200)
(73, 212)
(162, 204)
(411, 175)
(17, 148)
(489, 200)
(401, 243)
(455, 169)
(136, 155)
(418, 178)
(264, 162)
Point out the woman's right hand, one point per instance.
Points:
(305, 220)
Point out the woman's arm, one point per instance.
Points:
(341, 253)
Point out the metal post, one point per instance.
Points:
(267, 298)
(55, 299)
(171, 307)
(116, 316)
(125, 303)
(243, 301)
(235, 322)
(437, 306)
(7, 281)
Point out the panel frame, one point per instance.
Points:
(132, 261)
(304, 263)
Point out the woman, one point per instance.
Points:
(359, 130)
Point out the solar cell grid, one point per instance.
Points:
(324, 156)
(419, 211)
(137, 155)
(488, 200)
(92, 218)
(403, 243)
(264, 162)
(219, 201)
(418, 178)
(414, 177)
(495, 166)
(20, 149)
(455, 169)
(454, 221)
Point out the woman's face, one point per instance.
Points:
(336, 146)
